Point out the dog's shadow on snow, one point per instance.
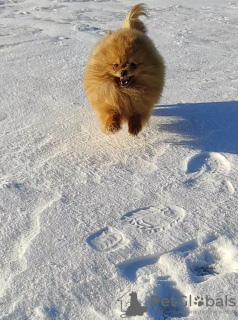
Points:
(211, 126)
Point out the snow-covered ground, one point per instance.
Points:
(87, 218)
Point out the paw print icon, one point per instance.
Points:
(198, 301)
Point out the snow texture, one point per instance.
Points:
(86, 218)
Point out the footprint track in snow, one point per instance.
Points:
(107, 239)
(212, 162)
(210, 167)
(182, 272)
(18, 263)
(129, 268)
(149, 220)
(145, 272)
(154, 219)
(218, 257)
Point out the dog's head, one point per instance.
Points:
(127, 56)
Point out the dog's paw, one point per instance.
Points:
(113, 128)
(134, 125)
(135, 130)
(110, 122)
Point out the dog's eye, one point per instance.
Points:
(115, 65)
(133, 65)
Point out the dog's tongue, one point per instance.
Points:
(124, 79)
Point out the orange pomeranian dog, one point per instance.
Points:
(124, 77)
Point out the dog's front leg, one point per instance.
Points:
(134, 124)
(110, 121)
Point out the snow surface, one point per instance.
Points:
(87, 218)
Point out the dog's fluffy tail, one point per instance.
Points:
(132, 19)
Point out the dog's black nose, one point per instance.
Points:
(123, 73)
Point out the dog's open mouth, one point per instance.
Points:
(125, 81)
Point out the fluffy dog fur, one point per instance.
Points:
(124, 76)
